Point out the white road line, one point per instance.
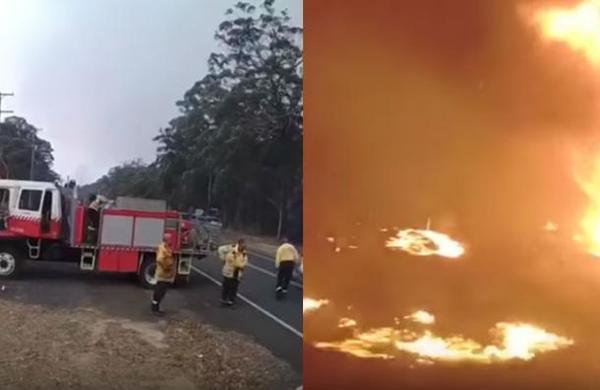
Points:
(264, 271)
(254, 305)
(264, 257)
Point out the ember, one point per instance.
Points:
(346, 323)
(421, 317)
(550, 227)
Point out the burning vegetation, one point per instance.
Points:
(512, 341)
(426, 242)
(309, 304)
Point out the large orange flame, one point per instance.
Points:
(578, 27)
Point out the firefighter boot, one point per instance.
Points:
(279, 292)
(156, 308)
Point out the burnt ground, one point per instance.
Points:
(65, 329)
(548, 282)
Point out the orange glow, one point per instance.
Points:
(425, 242)
(578, 27)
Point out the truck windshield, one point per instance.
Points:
(30, 200)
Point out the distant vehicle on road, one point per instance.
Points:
(212, 225)
(212, 221)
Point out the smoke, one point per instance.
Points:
(454, 110)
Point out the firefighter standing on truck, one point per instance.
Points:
(165, 272)
(96, 202)
(235, 258)
(285, 260)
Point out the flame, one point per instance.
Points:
(346, 323)
(364, 345)
(426, 243)
(523, 341)
(550, 227)
(589, 235)
(309, 304)
(449, 349)
(517, 341)
(578, 27)
(422, 317)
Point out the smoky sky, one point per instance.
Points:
(101, 77)
(455, 110)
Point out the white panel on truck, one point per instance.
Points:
(116, 230)
(148, 232)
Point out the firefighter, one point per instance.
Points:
(235, 258)
(285, 260)
(95, 203)
(165, 271)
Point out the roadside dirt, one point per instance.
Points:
(85, 349)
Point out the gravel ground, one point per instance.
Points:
(85, 349)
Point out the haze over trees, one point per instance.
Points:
(237, 143)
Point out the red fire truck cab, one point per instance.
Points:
(43, 221)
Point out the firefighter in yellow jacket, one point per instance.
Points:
(165, 271)
(235, 258)
(285, 260)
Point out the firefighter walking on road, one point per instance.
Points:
(285, 260)
(236, 259)
(165, 272)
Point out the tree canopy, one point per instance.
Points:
(18, 139)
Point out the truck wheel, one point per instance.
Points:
(10, 263)
(146, 273)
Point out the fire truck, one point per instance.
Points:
(42, 221)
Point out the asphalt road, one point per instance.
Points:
(550, 285)
(64, 285)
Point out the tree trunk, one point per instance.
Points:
(209, 191)
(238, 212)
(283, 210)
(280, 222)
